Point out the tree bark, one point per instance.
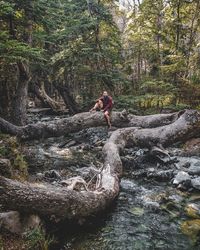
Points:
(70, 103)
(64, 203)
(82, 121)
(46, 100)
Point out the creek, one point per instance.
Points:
(149, 213)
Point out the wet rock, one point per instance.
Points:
(68, 143)
(175, 198)
(196, 183)
(164, 175)
(39, 176)
(137, 211)
(181, 177)
(193, 211)
(152, 205)
(128, 186)
(140, 152)
(5, 168)
(194, 169)
(128, 161)
(14, 222)
(52, 174)
(45, 119)
(191, 228)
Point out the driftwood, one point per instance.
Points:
(84, 120)
(64, 203)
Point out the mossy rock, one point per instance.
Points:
(193, 211)
(191, 228)
(12, 163)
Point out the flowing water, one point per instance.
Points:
(146, 215)
(137, 221)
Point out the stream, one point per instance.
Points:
(149, 213)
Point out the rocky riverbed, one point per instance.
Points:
(159, 203)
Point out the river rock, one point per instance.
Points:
(5, 168)
(163, 175)
(15, 223)
(181, 177)
(194, 169)
(193, 146)
(191, 228)
(52, 174)
(193, 210)
(196, 183)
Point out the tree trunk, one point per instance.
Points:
(70, 103)
(65, 203)
(82, 121)
(46, 100)
(13, 92)
(19, 100)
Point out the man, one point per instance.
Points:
(105, 104)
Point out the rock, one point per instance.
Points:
(163, 175)
(15, 223)
(181, 177)
(191, 228)
(194, 169)
(193, 146)
(175, 198)
(52, 174)
(39, 176)
(140, 152)
(45, 119)
(5, 168)
(128, 186)
(193, 211)
(196, 183)
(11, 221)
(68, 143)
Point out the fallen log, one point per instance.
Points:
(64, 203)
(82, 121)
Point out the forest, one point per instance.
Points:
(67, 181)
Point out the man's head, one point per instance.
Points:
(105, 93)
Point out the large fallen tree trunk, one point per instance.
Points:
(64, 203)
(84, 120)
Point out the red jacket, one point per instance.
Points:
(107, 103)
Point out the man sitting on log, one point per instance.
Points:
(104, 103)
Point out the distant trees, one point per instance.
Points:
(58, 50)
(162, 43)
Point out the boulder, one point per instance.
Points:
(196, 183)
(16, 223)
(181, 177)
(193, 210)
(194, 169)
(5, 168)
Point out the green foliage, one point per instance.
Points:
(13, 51)
(36, 239)
(156, 87)
(11, 149)
(77, 44)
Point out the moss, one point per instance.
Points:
(191, 228)
(11, 149)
